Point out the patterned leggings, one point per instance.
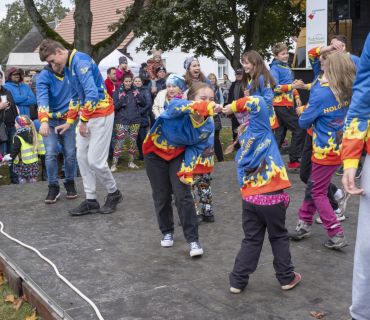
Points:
(202, 183)
(23, 179)
(121, 131)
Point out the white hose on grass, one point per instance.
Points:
(56, 271)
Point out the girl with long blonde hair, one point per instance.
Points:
(326, 111)
(24, 153)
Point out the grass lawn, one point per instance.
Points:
(6, 308)
(225, 138)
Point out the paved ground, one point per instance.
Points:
(118, 262)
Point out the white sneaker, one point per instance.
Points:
(340, 217)
(235, 290)
(195, 249)
(113, 168)
(167, 240)
(1, 176)
(132, 165)
(342, 203)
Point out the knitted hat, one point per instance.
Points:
(188, 61)
(23, 121)
(159, 69)
(144, 64)
(175, 79)
(122, 60)
(156, 53)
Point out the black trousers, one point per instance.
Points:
(305, 172)
(218, 147)
(164, 180)
(140, 139)
(288, 120)
(256, 219)
(234, 126)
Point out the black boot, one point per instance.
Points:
(53, 194)
(71, 189)
(111, 202)
(140, 157)
(87, 206)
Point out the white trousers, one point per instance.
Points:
(92, 154)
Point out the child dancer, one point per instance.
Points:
(326, 112)
(126, 102)
(178, 137)
(24, 153)
(193, 73)
(262, 178)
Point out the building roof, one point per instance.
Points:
(30, 42)
(104, 13)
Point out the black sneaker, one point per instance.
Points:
(111, 202)
(71, 189)
(53, 194)
(208, 218)
(85, 207)
(140, 157)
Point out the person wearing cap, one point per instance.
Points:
(154, 63)
(8, 113)
(122, 69)
(193, 73)
(160, 83)
(174, 87)
(144, 74)
(22, 93)
(235, 93)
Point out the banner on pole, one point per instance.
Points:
(316, 25)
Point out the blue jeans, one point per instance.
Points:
(9, 147)
(68, 139)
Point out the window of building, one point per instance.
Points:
(222, 68)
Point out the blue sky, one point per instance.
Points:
(66, 3)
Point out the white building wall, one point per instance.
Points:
(175, 60)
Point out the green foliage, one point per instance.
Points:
(17, 23)
(203, 25)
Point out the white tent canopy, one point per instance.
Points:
(25, 60)
(112, 61)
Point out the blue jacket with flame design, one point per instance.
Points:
(327, 116)
(283, 93)
(175, 132)
(53, 94)
(88, 88)
(260, 167)
(357, 130)
(268, 95)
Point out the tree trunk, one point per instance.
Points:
(83, 23)
(257, 21)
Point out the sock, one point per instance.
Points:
(337, 211)
(339, 194)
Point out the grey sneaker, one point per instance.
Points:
(342, 203)
(336, 242)
(340, 217)
(301, 231)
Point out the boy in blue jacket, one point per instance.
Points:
(22, 93)
(284, 92)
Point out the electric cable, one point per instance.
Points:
(92, 304)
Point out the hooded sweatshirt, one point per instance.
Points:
(260, 167)
(175, 132)
(283, 91)
(22, 93)
(53, 94)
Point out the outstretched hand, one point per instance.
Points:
(348, 182)
(227, 109)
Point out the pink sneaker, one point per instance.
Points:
(291, 285)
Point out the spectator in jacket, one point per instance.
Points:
(8, 113)
(193, 73)
(154, 63)
(123, 68)
(235, 93)
(145, 107)
(111, 81)
(27, 79)
(160, 84)
(126, 100)
(225, 86)
(22, 93)
(144, 74)
(163, 98)
(219, 99)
